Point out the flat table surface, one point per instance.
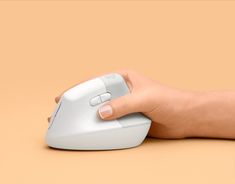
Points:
(48, 46)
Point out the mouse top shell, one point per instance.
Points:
(75, 116)
(85, 98)
(111, 83)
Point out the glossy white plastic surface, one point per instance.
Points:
(75, 124)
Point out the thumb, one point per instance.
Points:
(119, 107)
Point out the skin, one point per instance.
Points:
(174, 113)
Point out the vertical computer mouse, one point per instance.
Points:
(75, 124)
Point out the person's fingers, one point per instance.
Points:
(119, 107)
(57, 99)
(125, 74)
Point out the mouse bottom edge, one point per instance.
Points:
(118, 138)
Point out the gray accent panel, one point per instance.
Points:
(115, 84)
(134, 119)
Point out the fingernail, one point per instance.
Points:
(105, 111)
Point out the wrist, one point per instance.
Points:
(192, 115)
(186, 108)
(174, 113)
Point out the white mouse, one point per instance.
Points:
(75, 124)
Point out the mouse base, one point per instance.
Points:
(119, 138)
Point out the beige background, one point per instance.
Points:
(45, 47)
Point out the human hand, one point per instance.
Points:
(174, 113)
(163, 105)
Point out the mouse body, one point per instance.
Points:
(75, 125)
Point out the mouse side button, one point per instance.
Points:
(95, 101)
(105, 97)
